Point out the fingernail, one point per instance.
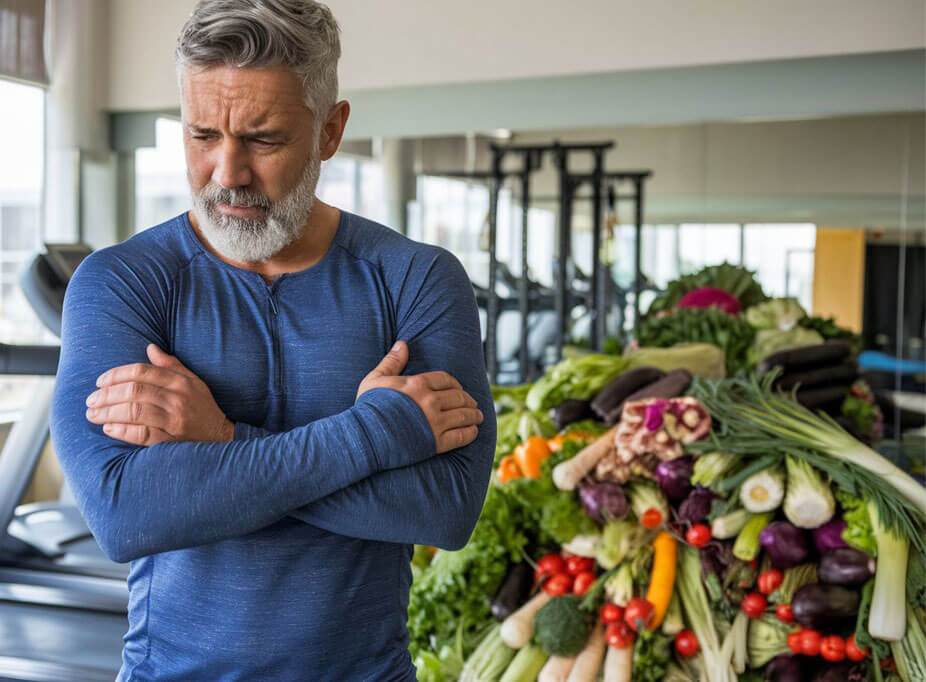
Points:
(93, 398)
(92, 412)
(101, 379)
(397, 345)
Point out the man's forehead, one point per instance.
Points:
(261, 96)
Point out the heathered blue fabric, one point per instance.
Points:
(284, 554)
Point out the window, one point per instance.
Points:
(161, 188)
(21, 234)
(782, 256)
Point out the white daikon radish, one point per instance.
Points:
(566, 475)
(618, 664)
(589, 661)
(556, 669)
(518, 628)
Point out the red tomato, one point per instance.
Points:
(582, 582)
(754, 605)
(784, 613)
(611, 613)
(638, 614)
(833, 648)
(558, 585)
(652, 518)
(550, 565)
(853, 651)
(619, 635)
(579, 564)
(794, 642)
(770, 580)
(810, 642)
(686, 644)
(698, 535)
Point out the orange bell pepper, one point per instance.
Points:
(529, 455)
(508, 469)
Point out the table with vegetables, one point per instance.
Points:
(707, 505)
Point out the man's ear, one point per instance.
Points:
(333, 130)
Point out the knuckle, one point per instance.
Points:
(135, 389)
(135, 411)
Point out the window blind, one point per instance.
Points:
(22, 28)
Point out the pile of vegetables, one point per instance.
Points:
(658, 521)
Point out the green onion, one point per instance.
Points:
(888, 603)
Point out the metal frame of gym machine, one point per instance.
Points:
(569, 183)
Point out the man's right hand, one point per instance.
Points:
(451, 412)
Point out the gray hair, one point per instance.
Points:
(300, 34)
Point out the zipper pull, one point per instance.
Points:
(273, 306)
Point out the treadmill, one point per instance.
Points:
(62, 601)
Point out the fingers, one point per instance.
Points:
(456, 438)
(142, 414)
(393, 363)
(131, 391)
(452, 399)
(440, 381)
(137, 434)
(460, 418)
(142, 372)
(161, 359)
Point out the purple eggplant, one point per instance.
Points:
(825, 607)
(784, 668)
(697, 505)
(674, 477)
(787, 545)
(829, 536)
(845, 566)
(603, 501)
(835, 672)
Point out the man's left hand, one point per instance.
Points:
(146, 404)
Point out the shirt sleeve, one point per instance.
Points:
(436, 502)
(144, 500)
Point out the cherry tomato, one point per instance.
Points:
(579, 564)
(754, 605)
(853, 651)
(582, 582)
(810, 642)
(686, 644)
(550, 565)
(652, 518)
(619, 635)
(784, 613)
(698, 535)
(611, 613)
(558, 585)
(833, 648)
(794, 642)
(770, 580)
(638, 614)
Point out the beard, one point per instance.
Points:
(255, 240)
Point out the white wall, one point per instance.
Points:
(417, 42)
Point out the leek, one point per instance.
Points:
(910, 652)
(887, 620)
(763, 491)
(746, 546)
(698, 612)
(727, 526)
(809, 502)
(712, 467)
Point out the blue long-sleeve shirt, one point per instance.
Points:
(283, 554)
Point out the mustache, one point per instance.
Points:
(213, 194)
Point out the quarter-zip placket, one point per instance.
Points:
(275, 332)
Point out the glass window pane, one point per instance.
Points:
(779, 255)
(703, 245)
(161, 188)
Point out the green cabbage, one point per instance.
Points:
(779, 313)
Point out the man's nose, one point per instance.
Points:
(232, 168)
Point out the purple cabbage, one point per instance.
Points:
(603, 501)
(829, 536)
(674, 477)
(697, 505)
(787, 545)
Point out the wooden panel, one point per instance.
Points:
(839, 275)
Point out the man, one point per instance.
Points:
(215, 412)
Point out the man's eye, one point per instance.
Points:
(263, 143)
(202, 137)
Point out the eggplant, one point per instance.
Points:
(674, 477)
(604, 501)
(825, 607)
(784, 668)
(697, 505)
(845, 566)
(825, 376)
(820, 398)
(829, 535)
(787, 545)
(514, 591)
(834, 672)
(672, 385)
(570, 411)
(612, 396)
(815, 355)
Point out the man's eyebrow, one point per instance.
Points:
(263, 133)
